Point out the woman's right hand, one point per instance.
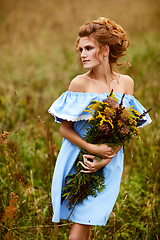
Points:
(100, 150)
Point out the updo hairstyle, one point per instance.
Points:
(106, 32)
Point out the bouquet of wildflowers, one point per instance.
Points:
(110, 123)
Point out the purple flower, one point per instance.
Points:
(124, 118)
(111, 101)
(124, 115)
(125, 130)
(108, 113)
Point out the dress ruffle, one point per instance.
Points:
(70, 106)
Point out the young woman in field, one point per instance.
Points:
(100, 44)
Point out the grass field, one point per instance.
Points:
(37, 63)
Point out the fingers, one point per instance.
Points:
(108, 149)
(87, 165)
(83, 171)
(84, 166)
(85, 156)
(91, 167)
(111, 156)
(88, 156)
(88, 169)
(86, 161)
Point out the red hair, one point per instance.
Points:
(106, 32)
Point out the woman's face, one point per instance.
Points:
(89, 50)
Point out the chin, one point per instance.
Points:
(87, 68)
(90, 67)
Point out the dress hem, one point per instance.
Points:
(80, 222)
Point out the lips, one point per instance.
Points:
(85, 61)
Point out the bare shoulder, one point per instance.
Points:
(128, 84)
(78, 84)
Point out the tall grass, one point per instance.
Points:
(37, 63)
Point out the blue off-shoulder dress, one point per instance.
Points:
(94, 210)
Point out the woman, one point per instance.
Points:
(100, 44)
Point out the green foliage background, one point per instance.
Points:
(37, 63)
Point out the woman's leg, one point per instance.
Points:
(80, 232)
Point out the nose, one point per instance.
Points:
(83, 53)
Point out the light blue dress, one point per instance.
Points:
(94, 210)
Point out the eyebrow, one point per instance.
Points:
(87, 46)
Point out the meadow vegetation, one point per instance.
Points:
(37, 63)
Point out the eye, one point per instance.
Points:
(89, 48)
(80, 49)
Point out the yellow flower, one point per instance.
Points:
(136, 112)
(93, 107)
(120, 123)
(103, 119)
(132, 122)
(136, 131)
(92, 118)
(88, 111)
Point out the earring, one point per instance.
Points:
(105, 57)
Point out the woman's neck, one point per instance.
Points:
(102, 74)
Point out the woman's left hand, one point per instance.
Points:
(94, 166)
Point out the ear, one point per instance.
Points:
(106, 51)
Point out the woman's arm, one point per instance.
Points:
(128, 85)
(94, 166)
(66, 130)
